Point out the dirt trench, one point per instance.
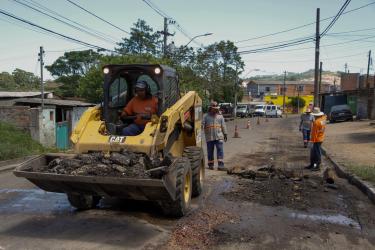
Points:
(270, 200)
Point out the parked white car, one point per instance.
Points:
(273, 111)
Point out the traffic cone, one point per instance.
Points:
(248, 124)
(236, 135)
(258, 121)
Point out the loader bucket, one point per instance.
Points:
(118, 187)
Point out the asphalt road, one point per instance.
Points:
(232, 213)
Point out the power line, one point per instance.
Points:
(102, 19)
(66, 23)
(285, 45)
(165, 15)
(53, 32)
(343, 7)
(302, 26)
(38, 5)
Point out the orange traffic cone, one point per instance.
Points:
(248, 124)
(258, 121)
(236, 135)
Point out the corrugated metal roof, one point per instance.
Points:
(10, 94)
(54, 102)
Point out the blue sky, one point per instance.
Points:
(228, 20)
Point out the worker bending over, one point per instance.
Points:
(142, 105)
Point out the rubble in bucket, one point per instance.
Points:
(116, 164)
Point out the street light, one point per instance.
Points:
(207, 34)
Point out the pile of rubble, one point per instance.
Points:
(116, 164)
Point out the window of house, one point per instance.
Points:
(268, 89)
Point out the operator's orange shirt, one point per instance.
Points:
(139, 107)
(318, 129)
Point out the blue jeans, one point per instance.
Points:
(133, 129)
(316, 154)
(219, 152)
(306, 135)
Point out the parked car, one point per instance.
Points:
(226, 109)
(340, 113)
(242, 110)
(259, 110)
(273, 111)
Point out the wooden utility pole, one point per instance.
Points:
(346, 67)
(284, 90)
(41, 53)
(317, 47)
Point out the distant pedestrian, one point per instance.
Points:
(305, 126)
(317, 138)
(216, 134)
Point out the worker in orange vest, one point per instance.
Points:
(317, 138)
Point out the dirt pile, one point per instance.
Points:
(117, 164)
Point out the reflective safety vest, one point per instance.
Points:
(318, 129)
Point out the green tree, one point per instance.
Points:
(7, 81)
(71, 67)
(142, 40)
(297, 100)
(25, 80)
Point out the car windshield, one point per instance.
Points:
(259, 107)
(340, 107)
(241, 107)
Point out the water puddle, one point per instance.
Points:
(333, 219)
(33, 201)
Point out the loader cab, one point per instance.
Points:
(119, 89)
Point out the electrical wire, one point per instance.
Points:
(10, 15)
(176, 24)
(343, 7)
(102, 19)
(302, 26)
(38, 5)
(66, 23)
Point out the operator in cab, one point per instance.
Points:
(143, 105)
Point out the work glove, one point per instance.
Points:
(225, 137)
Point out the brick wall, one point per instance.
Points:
(349, 81)
(19, 116)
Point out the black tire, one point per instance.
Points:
(196, 158)
(83, 202)
(180, 206)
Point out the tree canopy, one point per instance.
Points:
(19, 80)
(212, 71)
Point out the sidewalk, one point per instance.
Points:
(352, 145)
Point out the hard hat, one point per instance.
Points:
(141, 84)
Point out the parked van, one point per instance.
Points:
(273, 111)
(260, 110)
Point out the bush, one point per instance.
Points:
(16, 143)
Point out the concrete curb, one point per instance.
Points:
(366, 187)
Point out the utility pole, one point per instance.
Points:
(369, 94)
(346, 67)
(284, 91)
(320, 80)
(317, 47)
(41, 54)
(165, 34)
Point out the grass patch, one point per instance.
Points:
(365, 172)
(16, 143)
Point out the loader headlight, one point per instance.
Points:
(106, 70)
(157, 70)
